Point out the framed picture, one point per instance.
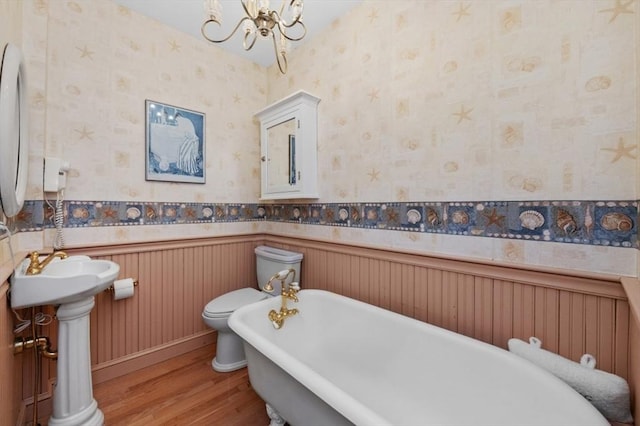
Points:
(175, 143)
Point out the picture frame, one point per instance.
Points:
(175, 143)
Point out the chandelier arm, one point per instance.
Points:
(283, 27)
(278, 54)
(297, 18)
(226, 38)
(281, 22)
(246, 37)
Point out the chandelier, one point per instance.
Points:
(260, 19)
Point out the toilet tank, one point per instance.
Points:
(271, 260)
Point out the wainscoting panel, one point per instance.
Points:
(175, 283)
(572, 315)
(632, 289)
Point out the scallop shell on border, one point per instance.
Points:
(261, 211)
(460, 217)
(133, 213)
(207, 212)
(413, 216)
(531, 219)
(616, 222)
(343, 214)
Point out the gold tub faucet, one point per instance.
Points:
(35, 266)
(289, 292)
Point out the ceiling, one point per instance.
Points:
(188, 15)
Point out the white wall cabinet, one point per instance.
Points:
(289, 148)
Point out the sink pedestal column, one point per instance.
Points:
(73, 402)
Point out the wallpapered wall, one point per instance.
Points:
(463, 100)
(92, 65)
(466, 100)
(421, 102)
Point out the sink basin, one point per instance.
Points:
(61, 281)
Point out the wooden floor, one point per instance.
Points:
(181, 391)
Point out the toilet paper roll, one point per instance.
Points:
(123, 288)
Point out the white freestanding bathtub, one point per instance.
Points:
(341, 361)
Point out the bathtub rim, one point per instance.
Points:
(324, 389)
(350, 407)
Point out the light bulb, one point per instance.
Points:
(249, 27)
(213, 9)
(264, 5)
(296, 9)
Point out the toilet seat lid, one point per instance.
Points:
(233, 300)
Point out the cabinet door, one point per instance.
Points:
(279, 157)
(288, 145)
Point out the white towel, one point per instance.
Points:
(607, 392)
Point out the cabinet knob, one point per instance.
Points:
(263, 158)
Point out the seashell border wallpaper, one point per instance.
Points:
(602, 223)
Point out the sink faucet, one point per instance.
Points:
(35, 266)
(289, 292)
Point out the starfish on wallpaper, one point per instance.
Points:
(175, 47)
(85, 133)
(373, 15)
(463, 114)
(619, 8)
(622, 151)
(124, 11)
(494, 218)
(236, 98)
(373, 94)
(374, 174)
(85, 52)
(462, 11)
(41, 7)
(236, 155)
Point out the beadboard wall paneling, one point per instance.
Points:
(175, 283)
(634, 368)
(162, 319)
(632, 288)
(572, 315)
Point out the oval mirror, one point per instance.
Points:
(14, 140)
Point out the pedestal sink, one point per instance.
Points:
(72, 284)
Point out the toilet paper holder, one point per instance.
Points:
(110, 289)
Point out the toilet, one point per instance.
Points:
(269, 261)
